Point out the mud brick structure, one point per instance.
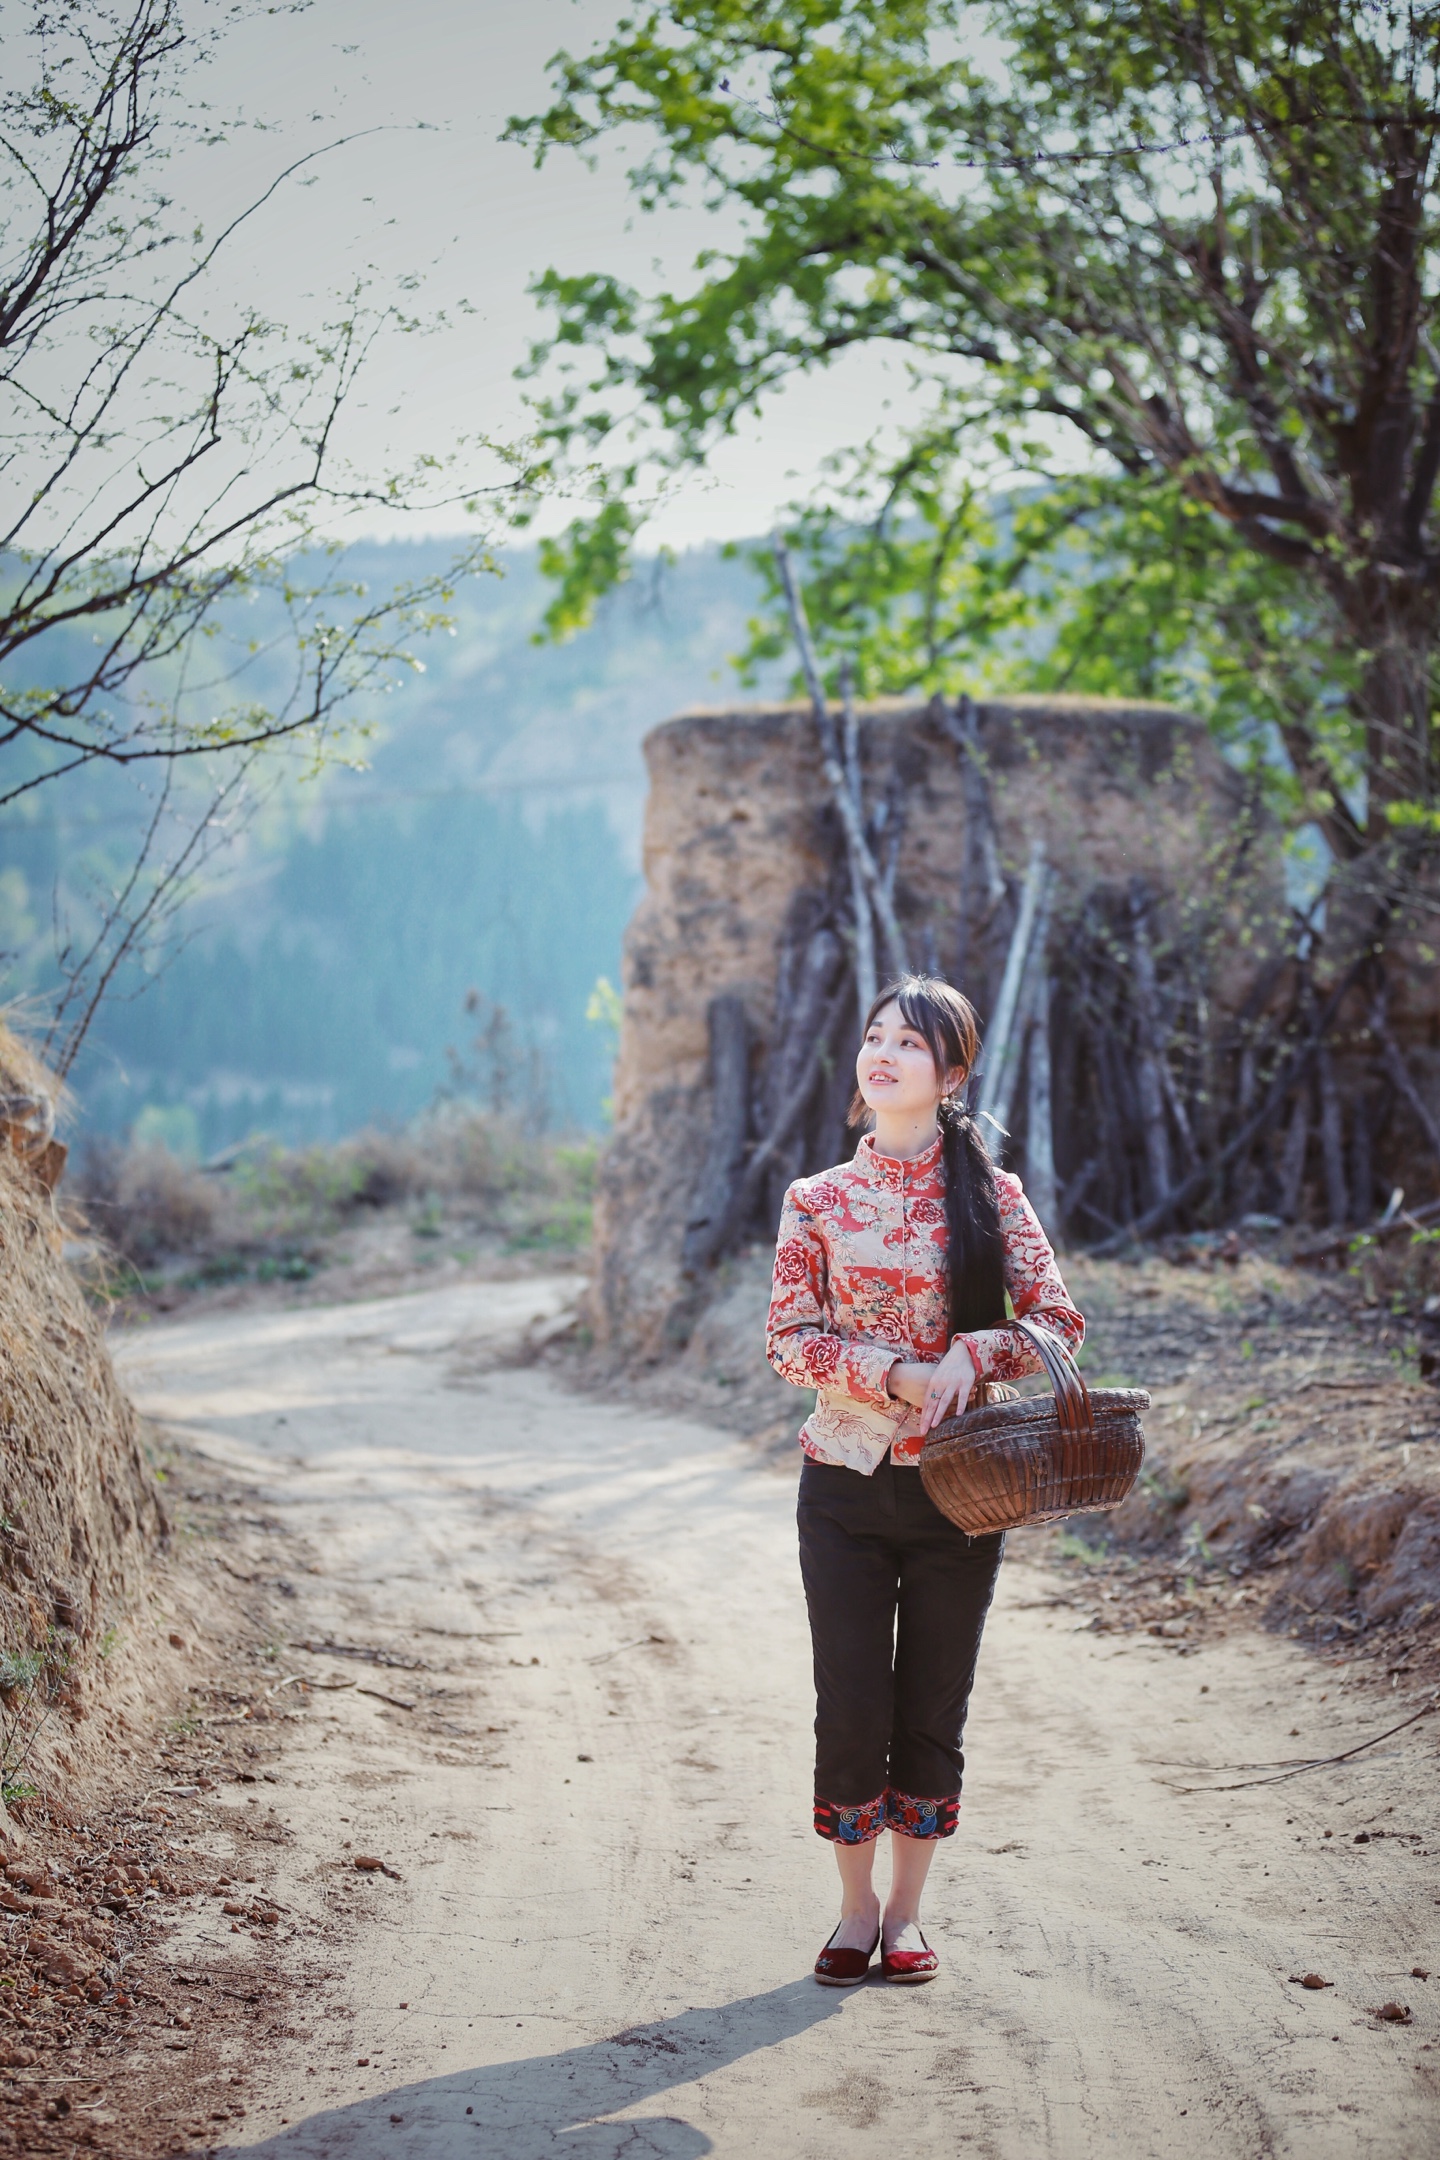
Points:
(740, 828)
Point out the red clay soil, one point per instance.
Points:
(105, 2045)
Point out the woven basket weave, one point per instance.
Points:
(1038, 1458)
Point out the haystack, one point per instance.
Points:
(79, 1508)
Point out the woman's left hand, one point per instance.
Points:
(950, 1381)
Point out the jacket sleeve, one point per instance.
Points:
(1037, 1292)
(797, 1341)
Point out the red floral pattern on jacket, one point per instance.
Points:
(860, 1281)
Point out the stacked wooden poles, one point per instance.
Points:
(871, 887)
(1136, 1110)
(729, 1030)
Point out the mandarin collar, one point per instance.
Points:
(890, 1170)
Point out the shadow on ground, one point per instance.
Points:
(542, 2106)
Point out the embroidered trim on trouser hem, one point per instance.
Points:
(922, 1818)
(890, 1811)
(851, 1825)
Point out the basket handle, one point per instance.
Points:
(1072, 1397)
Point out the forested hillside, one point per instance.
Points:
(490, 845)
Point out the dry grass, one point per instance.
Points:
(159, 1224)
(23, 1074)
(79, 1508)
(148, 1202)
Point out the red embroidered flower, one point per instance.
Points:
(822, 1197)
(822, 1355)
(791, 1264)
(927, 1211)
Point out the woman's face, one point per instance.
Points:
(895, 1071)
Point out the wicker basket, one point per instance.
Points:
(1037, 1458)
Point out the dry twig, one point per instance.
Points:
(1298, 1769)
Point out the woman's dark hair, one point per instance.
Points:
(975, 1255)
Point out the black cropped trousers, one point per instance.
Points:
(897, 1598)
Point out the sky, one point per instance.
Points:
(431, 189)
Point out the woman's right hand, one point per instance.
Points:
(908, 1383)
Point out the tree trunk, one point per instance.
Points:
(729, 1127)
(1117, 1119)
(1000, 1059)
(1072, 1146)
(862, 862)
(1292, 1158)
(1074, 1200)
(1039, 1133)
(1149, 1080)
(789, 1118)
(1362, 1170)
(1332, 1140)
(811, 978)
(1399, 1074)
(983, 891)
(865, 978)
(1395, 699)
(887, 837)
(1246, 1183)
(832, 1141)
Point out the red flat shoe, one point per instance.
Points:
(910, 1965)
(844, 1968)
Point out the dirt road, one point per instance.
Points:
(609, 1894)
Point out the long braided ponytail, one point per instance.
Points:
(975, 1250)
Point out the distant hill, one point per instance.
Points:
(491, 846)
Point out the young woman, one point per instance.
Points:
(891, 1276)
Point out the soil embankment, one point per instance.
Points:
(1294, 1456)
(580, 1755)
(81, 1514)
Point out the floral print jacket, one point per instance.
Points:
(860, 1281)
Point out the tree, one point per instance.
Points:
(172, 586)
(1184, 251)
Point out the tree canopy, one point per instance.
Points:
(1170, 270)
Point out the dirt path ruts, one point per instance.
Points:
(610, 1896)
